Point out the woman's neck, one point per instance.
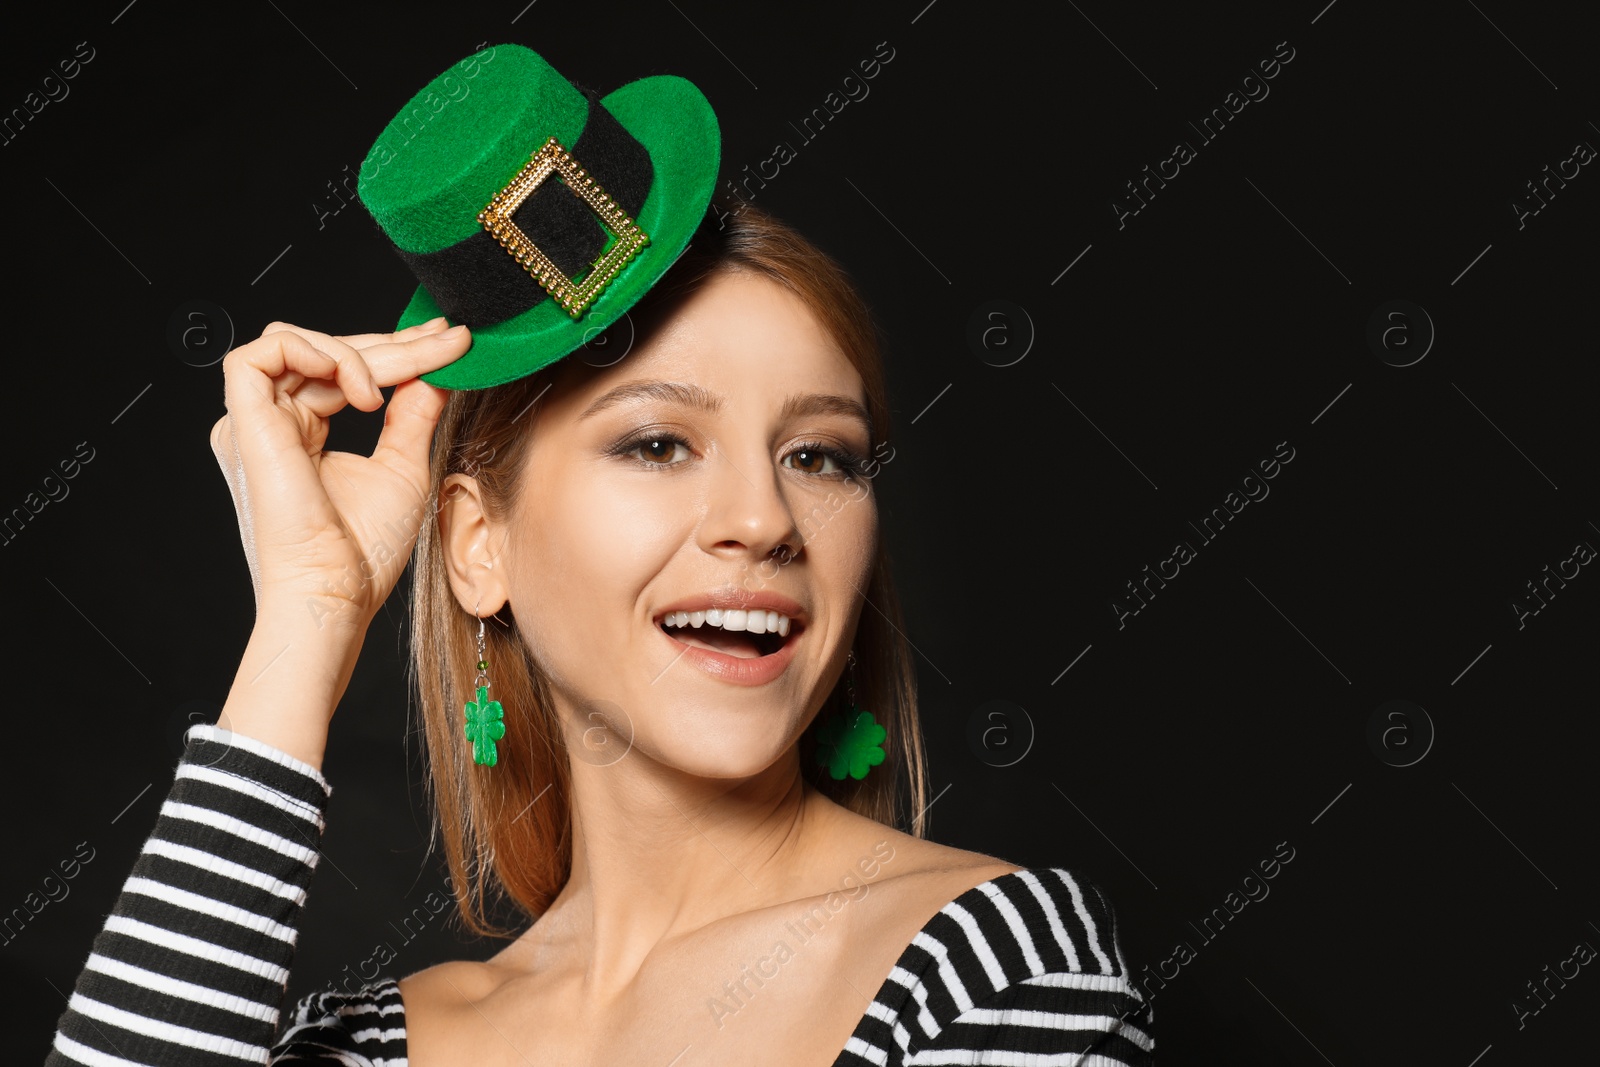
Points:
(659, 854)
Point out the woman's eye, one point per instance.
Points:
(813, 461)
(661, 451)
(669, 451)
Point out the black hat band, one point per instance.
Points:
(476, 282)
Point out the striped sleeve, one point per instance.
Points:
(192, 964)
(365, 1028)
(1046, 980)
(1026, 968)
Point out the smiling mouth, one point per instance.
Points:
(730, 632)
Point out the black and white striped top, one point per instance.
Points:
(192, 964)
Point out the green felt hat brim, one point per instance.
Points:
(675, 123)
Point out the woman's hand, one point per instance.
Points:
(327, 534)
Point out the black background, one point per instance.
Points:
(1231, 314)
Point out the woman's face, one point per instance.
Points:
(673, 486)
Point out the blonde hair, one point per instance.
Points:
(501, 848)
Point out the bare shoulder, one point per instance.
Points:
(461, 985)
(456, 982)
(912, 878)
(899, 884)
(932, 874)
(913, 864)
(444, 1006)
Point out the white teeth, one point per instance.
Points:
(755, 622)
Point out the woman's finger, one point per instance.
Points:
(408, 426)
(352, 384)
(264, 434)
(367, 340)
(390, 363)
(393, 362)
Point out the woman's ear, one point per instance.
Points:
(471, 544)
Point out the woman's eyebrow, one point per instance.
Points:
(685, 393)
(802, 404)
(696, 396)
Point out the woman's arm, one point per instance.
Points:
(193, 961)
(191, 965)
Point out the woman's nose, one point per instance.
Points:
(746, 511)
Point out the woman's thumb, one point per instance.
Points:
(408, 423)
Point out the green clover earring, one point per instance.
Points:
(485, 718)
(848, 743)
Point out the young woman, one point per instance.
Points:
(654, 752)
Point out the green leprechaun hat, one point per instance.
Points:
(533, 211)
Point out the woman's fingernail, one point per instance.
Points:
(433, 324)
(454, 331)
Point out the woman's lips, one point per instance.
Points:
(735, 669)
(713, 639)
